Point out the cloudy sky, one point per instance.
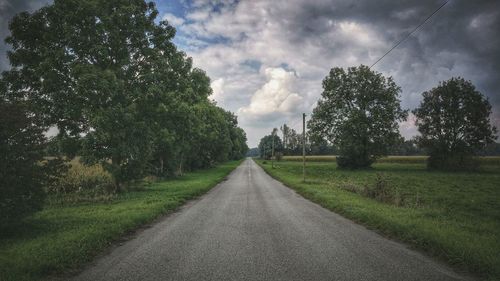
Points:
(266, 59)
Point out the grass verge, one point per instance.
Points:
(455, 216)
(62, 237)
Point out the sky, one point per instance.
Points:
(266, 59)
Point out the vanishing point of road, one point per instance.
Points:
(252, 227)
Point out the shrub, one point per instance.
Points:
(90, 180)
(354, 162)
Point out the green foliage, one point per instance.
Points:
(253, 152)
(266, 146)
(451, 215)
(358, 113)
(111, 80)
(292, 141)
(453, 120)
(21, 173)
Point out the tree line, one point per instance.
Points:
(118, 91)
(359, 111)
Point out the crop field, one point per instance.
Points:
(453, 216)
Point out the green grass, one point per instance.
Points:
(454, 216)
(62, 237)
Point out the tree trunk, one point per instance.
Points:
(161, 166)
(116, 162)
(179, 169)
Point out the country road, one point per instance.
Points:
(251, 227)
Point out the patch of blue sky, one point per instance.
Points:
(175, 7)
(253, 64)
(287, 67)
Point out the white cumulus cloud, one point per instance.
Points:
(173, 19)
(217, 90)
(277, 95)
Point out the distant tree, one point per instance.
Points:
(406, 147)
(239, 140)
(453, 120)
(358, 112)
(285, 130)
(253, 152)
(492, 149)
(266, 144)
(292, 141)
(21, 171)
(321, 147)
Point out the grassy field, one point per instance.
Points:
(62, 237)
(487, 160)
(454, 216)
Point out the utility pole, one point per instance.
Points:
(272, 153)
(303, 147)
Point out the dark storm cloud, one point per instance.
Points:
(311, 36)
(463, 32)
(461, 40)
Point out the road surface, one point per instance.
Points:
(251, 227)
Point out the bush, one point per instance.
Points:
(453, 162)
(354, 162)
(89, 180)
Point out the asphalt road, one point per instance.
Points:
(251, 227)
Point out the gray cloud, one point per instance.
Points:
(236, 41)
(310, 37)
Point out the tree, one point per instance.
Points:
(107, 75)
(266, 146)
(253, 152)
(453, 120)
(101, 69)
(358, 112)
(21, 172)
(285, 130)
(405, 147)
(292, 142)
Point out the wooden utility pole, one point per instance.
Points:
(303, 147)
(272, 152)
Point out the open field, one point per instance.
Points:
(62, 237)
(454, 216)
(485, 160)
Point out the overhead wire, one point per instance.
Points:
(409, 34)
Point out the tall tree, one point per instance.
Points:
(358, 112)
(453, 120)
(285, 130)
(98, 68)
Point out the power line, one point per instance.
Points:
(409, 34)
